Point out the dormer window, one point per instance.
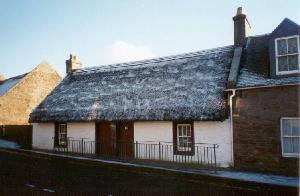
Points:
(287, 55)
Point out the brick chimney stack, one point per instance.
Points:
(241, 27)
(72, 64)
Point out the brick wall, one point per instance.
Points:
(18, 102)
(256, 123)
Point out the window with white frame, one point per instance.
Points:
(184, 137)
(62, 134)
(290, 136)
(287, 55)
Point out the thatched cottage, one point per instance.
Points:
(174, 105)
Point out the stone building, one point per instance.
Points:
(19, 95)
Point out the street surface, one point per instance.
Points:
(23, 172)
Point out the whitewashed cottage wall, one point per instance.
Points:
(211, 132)
(42, 135)
(81, 130)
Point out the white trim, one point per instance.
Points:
(277, 55)
(297, 155)
(62, 130)
(180, 148)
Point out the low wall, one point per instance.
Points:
(21, 134)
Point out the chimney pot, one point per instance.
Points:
(73, 63)
(2, 78)
(239, 11)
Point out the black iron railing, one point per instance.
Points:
(197, 153)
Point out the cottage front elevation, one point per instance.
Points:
(166, 108)
(235, 105)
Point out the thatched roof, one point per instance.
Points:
(182, 87)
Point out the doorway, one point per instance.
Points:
(115, 138)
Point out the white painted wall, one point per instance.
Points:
(215, 132)
(211, 132)
(153, 131)
(78, 131)
(81, 130)
(42, 135)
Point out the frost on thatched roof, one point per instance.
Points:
(183, 87)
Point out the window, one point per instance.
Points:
(61, 135)
(287, 55)
(290, 136)
(183, 138)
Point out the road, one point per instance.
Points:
(23, 172)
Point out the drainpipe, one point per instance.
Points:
(231, 123)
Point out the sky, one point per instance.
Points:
(102, 32)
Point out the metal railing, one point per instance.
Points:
(196, 153)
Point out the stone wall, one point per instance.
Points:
(256, 123)
(20, 100)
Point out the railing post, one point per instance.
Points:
(67, 145)
(137, 149)
(215, 158)
(82, 147)
(159, 150)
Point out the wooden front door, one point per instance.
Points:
(125, 139)
(115, 138)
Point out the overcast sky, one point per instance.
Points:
(102, 32)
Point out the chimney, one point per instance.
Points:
(241, 28)
(73, 63)
(2, 78)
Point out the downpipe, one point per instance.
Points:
(231, 123)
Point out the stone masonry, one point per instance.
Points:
(20, 100)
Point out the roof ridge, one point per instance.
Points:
(133, 64)
(15, 77)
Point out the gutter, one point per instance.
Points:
(256, 87)
(231, 123)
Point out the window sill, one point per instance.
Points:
(291, 156)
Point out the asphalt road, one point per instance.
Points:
(24, 173)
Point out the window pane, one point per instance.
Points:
(295, 127)
(286, 127)
(282, 63)
(189, 132)
(292, 45)
(293, 62)
(184, 131)
(287, 145)
(281, 47)
(295, 144)
(180, 130)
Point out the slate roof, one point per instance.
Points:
(182, 87)
(9, 83)
(249, 79)
(255, 65)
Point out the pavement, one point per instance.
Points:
(8, 144)
(277, 180)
